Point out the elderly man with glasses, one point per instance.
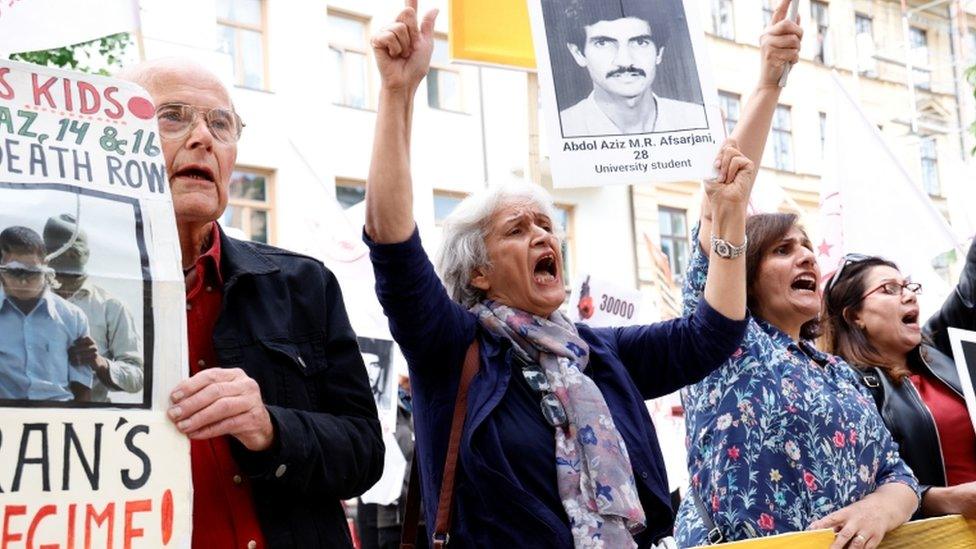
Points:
(38, 327)
(277, 406)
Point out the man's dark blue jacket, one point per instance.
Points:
(629, 365)
(284, 323)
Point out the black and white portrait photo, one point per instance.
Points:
(378, 357)
(622, 67)
(74, 289)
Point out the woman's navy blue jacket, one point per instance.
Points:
(629, 365)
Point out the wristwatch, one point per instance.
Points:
(727, 250)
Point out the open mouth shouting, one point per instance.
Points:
(546, 271)
(805, 282)
(910, 319)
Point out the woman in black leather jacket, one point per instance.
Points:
(872, 322)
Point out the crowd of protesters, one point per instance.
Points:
(806, 407)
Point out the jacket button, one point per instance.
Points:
(237, 479)
(252, 544)
(280, 471)
(644, 475)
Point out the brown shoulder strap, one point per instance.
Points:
(442, 526)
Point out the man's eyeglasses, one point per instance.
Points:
(177, 119)
(896, 288)
(552, 408)
(846, 261)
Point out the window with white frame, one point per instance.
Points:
(349, 192)
(722, 22)
(864, 43)
(918, 39)
(444, 204)
(823, 133)
(779, 153)
(250, 205)
(240, 35)
(930, 166)
(767, 12)
(729, 102)
(349, 49)
(819, 13)
(673, 225)
(443, 80)
(564, 221)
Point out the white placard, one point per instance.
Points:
(82, 176)
(627, 91)
(964, 353)
(599, 303)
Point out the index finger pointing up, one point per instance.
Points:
(778, 15)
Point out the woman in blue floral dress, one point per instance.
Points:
(783, 437)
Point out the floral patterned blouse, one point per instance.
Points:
(779, 436)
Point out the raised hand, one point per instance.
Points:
(779, 46)
(736, 175)
(403, 49)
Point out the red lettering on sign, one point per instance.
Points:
(43, 90)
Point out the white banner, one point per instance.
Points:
(626, 90)
(30, 25)
(599, 303)
(92, 318)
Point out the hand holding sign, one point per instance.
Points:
(736, 175)
(403, 49)
(222, 401)
(779, 46)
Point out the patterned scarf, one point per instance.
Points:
(594, 476)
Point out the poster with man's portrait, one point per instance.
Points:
(626, 90)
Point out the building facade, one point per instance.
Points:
(303, 77)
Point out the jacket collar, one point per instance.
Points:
(939, 365)
(238, 257)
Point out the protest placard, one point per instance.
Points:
(92, 318)
(599, 303)
(626, 91)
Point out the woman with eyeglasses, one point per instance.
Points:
(872, 321)
(557, 448)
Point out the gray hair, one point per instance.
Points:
(463, 247)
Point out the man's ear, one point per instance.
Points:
(577, 54)
(660, 55)
(479, 279)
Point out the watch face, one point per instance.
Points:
(722, 249)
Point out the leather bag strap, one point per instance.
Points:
(442, 526)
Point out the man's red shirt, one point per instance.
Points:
(223, 508)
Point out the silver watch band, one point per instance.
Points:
(726, 250)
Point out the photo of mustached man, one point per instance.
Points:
(622, 67)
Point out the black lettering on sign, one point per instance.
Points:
(92, 469)
(130, 444)
(618, 307)
(23, 460)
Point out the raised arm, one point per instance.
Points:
(403, 51)
(779, 47)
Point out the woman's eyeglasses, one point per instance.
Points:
(552, 408)
(896, 288)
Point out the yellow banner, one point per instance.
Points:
(493, 32)
(952, 532)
